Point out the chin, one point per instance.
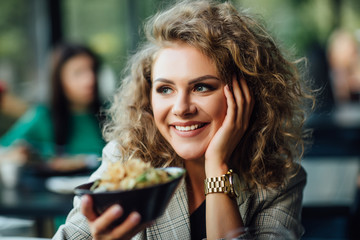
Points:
(190, 150)
(189, 156)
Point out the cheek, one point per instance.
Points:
(219, 115)
(72, 90)
(221, 109)
(67, 86)
(69, 82)
(216, 108)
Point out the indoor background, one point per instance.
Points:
(113, 29)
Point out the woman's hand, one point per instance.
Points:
(100, 225)
(240, 104)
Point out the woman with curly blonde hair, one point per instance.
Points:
(209, 91)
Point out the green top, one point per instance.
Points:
(36, 128)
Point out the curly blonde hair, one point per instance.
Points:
(239, 45)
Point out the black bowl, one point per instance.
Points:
(150, 202)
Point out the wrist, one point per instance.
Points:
(216, 170)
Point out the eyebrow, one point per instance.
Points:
(192, 81)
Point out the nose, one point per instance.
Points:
(183, 105)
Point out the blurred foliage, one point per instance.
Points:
(12, 27)
(101, 26)
(302, 23)
(14, 32)
(111, 29)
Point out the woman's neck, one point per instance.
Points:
(78, 108)
(195, 183)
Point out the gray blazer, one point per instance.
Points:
(268, 210)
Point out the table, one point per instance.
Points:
(30, 199)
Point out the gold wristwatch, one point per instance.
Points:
(227, 183)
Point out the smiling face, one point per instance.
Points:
(187, 99)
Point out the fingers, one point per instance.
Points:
(243, 101)
(100, 225)
(87, 208)
(249, 96)
(239, 99)
(131, 222)
(103, 222)
(248, 103)
(231, 106)
(245, 90)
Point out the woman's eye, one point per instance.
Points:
(164, 90)
(202, 88)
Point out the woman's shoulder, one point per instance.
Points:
(38, 110)
(296, 178)
(282, 204)
(294, 184)
(34, 114)
(42, 108)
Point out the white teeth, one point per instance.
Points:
(187, 128)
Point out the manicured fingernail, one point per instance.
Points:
(117, 210)
(135, 217)
(85, 199)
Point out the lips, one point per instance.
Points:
(189, 129)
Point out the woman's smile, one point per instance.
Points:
(188, 130)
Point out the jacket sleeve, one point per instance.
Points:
(76, 226)
(276, 213)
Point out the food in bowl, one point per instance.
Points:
(130, 175)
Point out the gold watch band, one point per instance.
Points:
(217, 185)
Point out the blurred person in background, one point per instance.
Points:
(69, 127)
(344, 61)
